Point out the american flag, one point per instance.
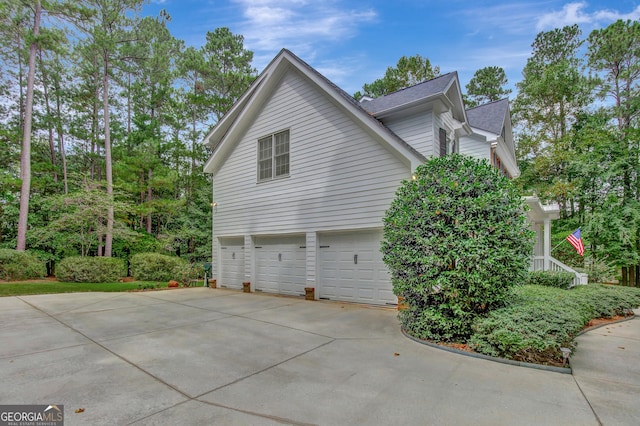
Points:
(576, 241)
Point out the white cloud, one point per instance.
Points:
(610, 16)
(299, 25)
(513, 18)
(575, 13)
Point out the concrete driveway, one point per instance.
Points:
(214, 356)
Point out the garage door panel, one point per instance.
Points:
(351, 268)
(232, 263)
(280, 265)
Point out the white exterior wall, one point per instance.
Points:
(441, 121)
(415, 129)
(475, 148)
(340, 178)
(446, 122)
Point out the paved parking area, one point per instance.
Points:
(214, 356)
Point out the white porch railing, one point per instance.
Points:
(537, 264)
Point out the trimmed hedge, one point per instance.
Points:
(550, 279)
(157, 267)
(20, 265)
(540, 320)
(77, 269)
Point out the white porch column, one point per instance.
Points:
(249, 251)
(312, 262)
(537, 248)
(547, 243)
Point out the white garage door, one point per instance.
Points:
(232, 265)
(280, 265)
(351, 268)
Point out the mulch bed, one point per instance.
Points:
(542, 359)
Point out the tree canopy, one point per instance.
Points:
(407, 72)
(487, 85)
(111, 159)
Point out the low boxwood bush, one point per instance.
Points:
(20, 265)
(550, 279)
(77, 269)
(539, 320)
(157, 267)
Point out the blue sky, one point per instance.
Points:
(353, 41)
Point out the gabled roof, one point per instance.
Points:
(241, 113)
(489, 117)
(439, 87)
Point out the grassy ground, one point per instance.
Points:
(20, 288)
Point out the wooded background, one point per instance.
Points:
(102, 114)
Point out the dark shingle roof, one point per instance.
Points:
(409, 95)
(489, 117)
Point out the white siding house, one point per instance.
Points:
(303, 175)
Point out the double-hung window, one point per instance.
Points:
(273, 156)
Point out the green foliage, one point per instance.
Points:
(550, 279)
(455, 240)
(228, 72)
(553, 93)
(90, 269)
(538, 320)
(20, 265)
(75, 221)
(185, 273)
(407, 72)
(487, 85)
(598, 271)
(157, 267)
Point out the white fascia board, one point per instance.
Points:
(507, 158)
(234, 120)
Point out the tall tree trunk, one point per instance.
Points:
(100, 248)
(149, 197)
(193, 153)
(108, 240)
(94, 121)
(63, 155)
(141, 197)
(20, 77)
(129, 104)
(25, 157)
(45, 88)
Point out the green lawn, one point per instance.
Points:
(20, 288)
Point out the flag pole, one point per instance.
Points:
(557, 246)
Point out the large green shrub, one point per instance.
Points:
(78, 269)
(157, 267)
(456, 239)
(538, 320)
(551, 279)
(20, 265)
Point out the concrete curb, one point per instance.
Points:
(552, 368)
(595, 327)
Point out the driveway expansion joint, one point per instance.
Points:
(255, 373)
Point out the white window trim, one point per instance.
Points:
(273, 157)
